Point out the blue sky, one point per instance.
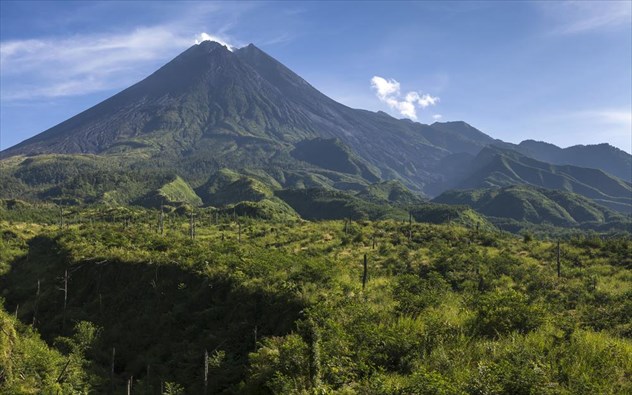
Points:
(554, 71)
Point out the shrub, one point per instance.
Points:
(503, 311)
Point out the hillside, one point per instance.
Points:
(211, 109)
(600, 156)
(537, 206)
(282, 307)
(389, 192)
(320, 204)
(497, 167)
(172, 193)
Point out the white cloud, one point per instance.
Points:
(571, 17)
(208, 37)
(388, 91)
(41, 68)
(437, 117)
(384, 88)
(427, 100)
(76, 65)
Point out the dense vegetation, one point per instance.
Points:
(515, 206)
(285, 306)
(497, 167)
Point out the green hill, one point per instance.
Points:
(435, 213)
(271, 209)
(535, 205)
(389, 192)
(319, 204)
(229, 187)
(172, 193)
(496, 167)
(332, 154)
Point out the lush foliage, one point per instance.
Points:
(519, 206)
(280, 307)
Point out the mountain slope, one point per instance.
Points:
(534, 205)
(209, 101)
(497, 167)
(389, 192)
(211, 109)
(601, 156)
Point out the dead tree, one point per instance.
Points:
(65, 289)
(559, 267)
(192, 227)
(161, 221)
(256, 336)
(365, 273)
(37, 296)
(205, 372)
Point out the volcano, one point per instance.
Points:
(212, 111)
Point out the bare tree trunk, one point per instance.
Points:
(205, 372)
(63, 323)
(37, 296)
(192, 227)
(365, 273)
(161, 221)
(559, 267)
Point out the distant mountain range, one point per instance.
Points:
(523, 203)
(602, 156)
(215, 127)
(497, 167)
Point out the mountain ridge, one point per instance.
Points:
(210, 109)
(498, 167)
(530, 204)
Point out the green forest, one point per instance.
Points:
(100, 300)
